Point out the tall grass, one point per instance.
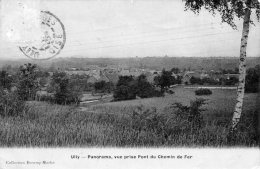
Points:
(46, 125)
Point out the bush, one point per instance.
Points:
(10, 104)
(183, 120)
(252, 80)
(150, 121)
(157, 93)
(170, 91)
(189, 118)
(231, 81)
(66, 98)
(48, 98)
(200, 92)
(194, 80)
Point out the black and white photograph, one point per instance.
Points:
(129, 74)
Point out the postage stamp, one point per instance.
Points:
(52, 41)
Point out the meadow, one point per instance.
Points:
(152, 122)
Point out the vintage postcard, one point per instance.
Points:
(129, 84)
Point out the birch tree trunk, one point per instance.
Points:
(242, 70)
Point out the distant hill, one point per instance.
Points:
(158, 63)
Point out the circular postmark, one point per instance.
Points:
(52, 40)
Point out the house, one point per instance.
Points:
(135, 72)
(103, 77)
(51, 73)
(174, 75)
(216, 77)
(204, 75)
(78, 72)
(187, 76)
(125, 72)
(113, 77)
(92, 79)
(97, 77)
(150, 78)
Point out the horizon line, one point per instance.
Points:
(129, 57)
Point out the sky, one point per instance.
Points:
(127, 28)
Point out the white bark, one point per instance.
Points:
(242, 70)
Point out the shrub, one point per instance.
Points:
(184, 119)
(200, 92)
(150, 121)
(231, 81)
(66, 98)
(10, 104)
(157, 93)
(189, 118)
(252, 80)
(170, 91)
(195, 80)
(48, 98)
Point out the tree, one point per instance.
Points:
(144, 88)
(103, 86)
(28, 83)
(175, 70)
(5, 80)
(100, 86)
(195, 80)
(42, 76)
(65, 92)
(125, 88)
(229, 9)
(164, 80)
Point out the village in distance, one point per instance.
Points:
(149, 101)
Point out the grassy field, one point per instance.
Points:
(113, 123)
(221, 101)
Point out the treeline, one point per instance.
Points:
(26, 85)
(28, 81)
(129, 87)
(60, 88)
(12, 100)
(210, 81)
